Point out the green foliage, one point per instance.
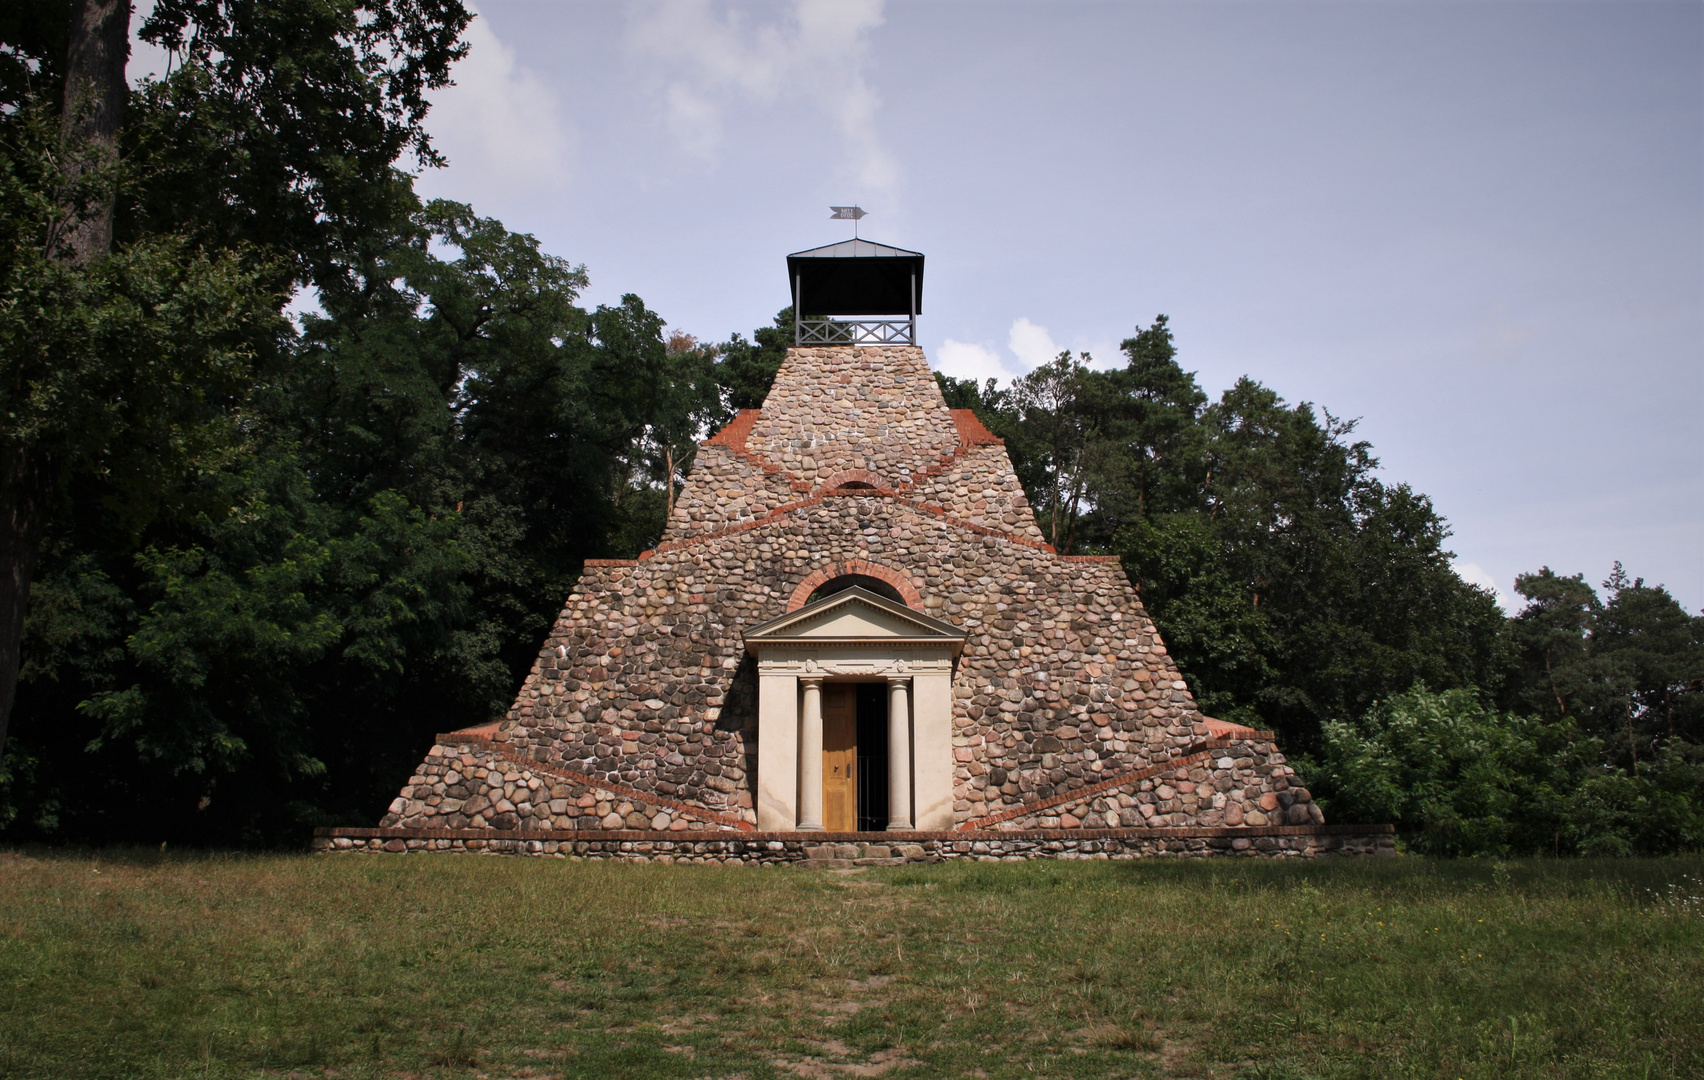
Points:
(373, 562)
(1458, 778)
(286, 559)
(280, 124)
(745, 369)
(132, 365)
(1628, 669)
(1452, 774)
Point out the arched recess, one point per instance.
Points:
(856, 568)
(851, 479)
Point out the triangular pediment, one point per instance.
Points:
(855, 616)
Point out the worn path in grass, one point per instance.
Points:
(117, 965)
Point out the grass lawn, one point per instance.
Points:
(142, 965)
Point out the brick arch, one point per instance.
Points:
(851, 476)
(899, 581)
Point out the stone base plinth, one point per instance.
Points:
(876, 848)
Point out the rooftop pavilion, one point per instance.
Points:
(856, 292)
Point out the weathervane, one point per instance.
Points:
(847, 213)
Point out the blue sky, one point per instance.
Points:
(1477, 227)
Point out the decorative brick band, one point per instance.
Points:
(899, 581)
(788, 508)
(1201, 751)
(982, 530)
(745, 526)
(852, 476)
(480, 733)
(971, 431)
(612, 562)
(578, 776)
(734, 432)
(734, 435)
(1092, 558)
(1087, 791)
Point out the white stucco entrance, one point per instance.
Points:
(854, 636)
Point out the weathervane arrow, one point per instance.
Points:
(846, 213)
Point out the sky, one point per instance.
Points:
(1476, 227)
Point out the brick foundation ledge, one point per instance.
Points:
(873, 849)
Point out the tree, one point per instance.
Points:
(420, 476)
(1551, 636)
(1056, 421)
(125, 364)
(1455, 777)
(1629, 670)
(691, 405)
(745, 369)
(281, 124)
(1161, 453)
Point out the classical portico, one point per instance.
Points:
(807, 662)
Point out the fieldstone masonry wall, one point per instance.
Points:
(1069, 718)
(799, 849)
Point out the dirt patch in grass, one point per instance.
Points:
(840, 1060)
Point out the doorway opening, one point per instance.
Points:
(872, 756)
(855, 757)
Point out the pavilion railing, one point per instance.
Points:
(855, 332)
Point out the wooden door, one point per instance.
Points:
(840, 757)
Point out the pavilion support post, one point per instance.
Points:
(913, 331)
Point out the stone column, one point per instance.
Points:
(899, 752)
(810, 755)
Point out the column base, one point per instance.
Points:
(805, 826)
(902, 828)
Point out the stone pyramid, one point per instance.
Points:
(853, 583)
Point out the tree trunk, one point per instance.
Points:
(669, 469)
(93, 111)
(24, 480)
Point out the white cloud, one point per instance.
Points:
(1474, 574)
(717, 58)
(1032, 344)
(964, 360)
(500, 126)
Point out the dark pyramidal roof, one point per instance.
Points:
(856, 277)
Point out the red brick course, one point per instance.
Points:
(893, 577)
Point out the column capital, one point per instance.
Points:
(898, 680)
(814, 681)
